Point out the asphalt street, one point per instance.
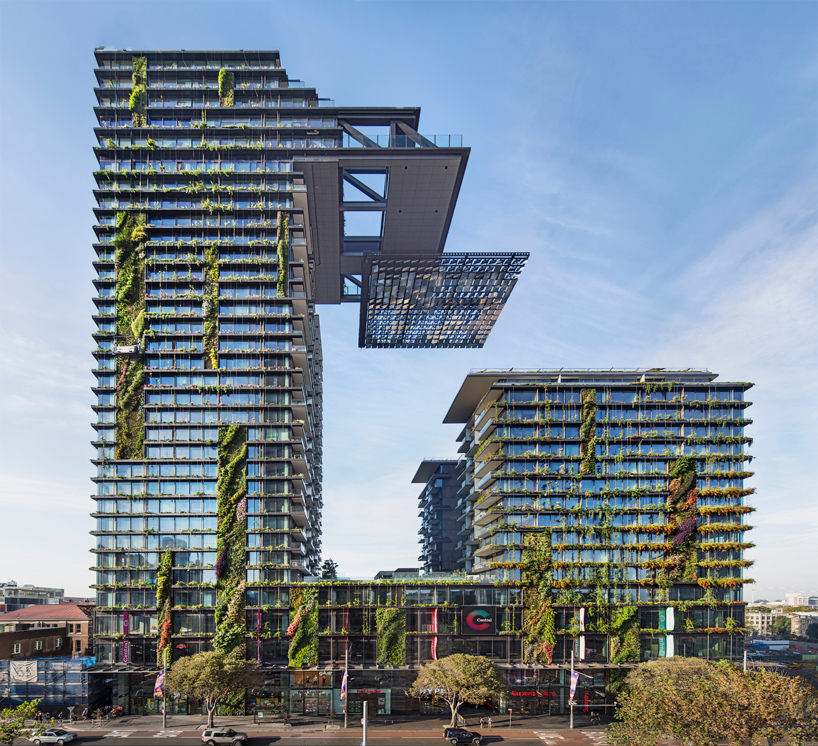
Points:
(182, 738)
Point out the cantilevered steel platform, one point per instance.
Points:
(451, 300)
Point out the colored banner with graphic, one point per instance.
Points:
(574, 680)
(344, 687)
(159, 686)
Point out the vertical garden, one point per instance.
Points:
(130, 326)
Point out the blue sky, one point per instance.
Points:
(658, 161)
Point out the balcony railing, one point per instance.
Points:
(404, 141)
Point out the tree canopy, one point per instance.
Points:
(329, 570)
(13, 722)
(700, 702)
(211, 677)
(459, 678)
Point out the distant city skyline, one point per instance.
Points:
(658, 162)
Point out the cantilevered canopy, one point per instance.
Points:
(450, 300)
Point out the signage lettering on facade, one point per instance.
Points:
(479, 620)
(533, 694)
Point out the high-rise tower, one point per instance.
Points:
(230, 201)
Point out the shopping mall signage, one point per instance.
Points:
(479, 620)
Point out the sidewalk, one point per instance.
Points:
(521, 726)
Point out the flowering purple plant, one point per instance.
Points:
(686, 529)
(241, 509)
(221, 563)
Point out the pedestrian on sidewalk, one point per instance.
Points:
(482, 722)
(59, 717)
(85, 714)
(490, 723)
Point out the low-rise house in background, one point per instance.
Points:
(73, 619)
(761, 622)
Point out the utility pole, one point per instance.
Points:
(363, 720)
(745, 661)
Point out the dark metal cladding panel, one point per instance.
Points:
(451, 300)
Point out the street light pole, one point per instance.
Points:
(571, 698)
(346, 679)
(364, 721)
(165, 688)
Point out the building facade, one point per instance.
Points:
(13, 596)
(436, 509)
(74, 620)
(59, 683)
(231, 200)
(617, 500)
(761, 622)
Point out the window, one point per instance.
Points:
(16, 647)
(38, 644)
(77, 645)
(58, 643)
(71, 628)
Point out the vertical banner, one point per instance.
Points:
(582, 648)
(582, 619)
(434, 648)
(344, 687)
(574, 679)
(671, 646)
(126, 623)
(159, 686)
(670, 619)
(126, 651)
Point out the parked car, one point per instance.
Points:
(223, 736)
(53, 735)
(461, 735)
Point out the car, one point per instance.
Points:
(461, 735)
(215, 736)
(53, 735)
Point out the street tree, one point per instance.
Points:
(329, 570)
(700, 702)
(13, 722)
(211, 677)
(458, 679)
(812, 631)
(782, 625)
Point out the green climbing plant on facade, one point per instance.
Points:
(129, 259)
(303, 627)
(539, 636)
(390, 624)
(211, 308)
(283, 243)
(231, 555)
(164, 604)
(138, 101)
(587, 432)
(226, 88)
(682, 519)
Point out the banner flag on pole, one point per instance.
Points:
(574, 679)
(159, 685)
(344, 687)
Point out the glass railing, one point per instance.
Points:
(404, 141)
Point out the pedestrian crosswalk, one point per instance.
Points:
(593, 738)
(128, 733)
